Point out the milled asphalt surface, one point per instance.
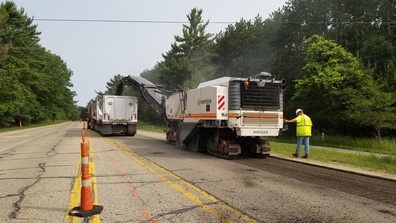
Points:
(273, 189)
(313, 162)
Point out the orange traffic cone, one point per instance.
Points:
(83, 136)
(86, 208)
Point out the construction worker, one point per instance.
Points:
(304, 126)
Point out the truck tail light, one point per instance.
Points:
(104, 116)
(246, 84)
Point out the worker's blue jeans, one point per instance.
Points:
(300, 141)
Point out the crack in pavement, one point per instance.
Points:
(16, 206)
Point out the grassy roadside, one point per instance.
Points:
(35, 125)
(151, 127)
(384, 146)
(376, 163)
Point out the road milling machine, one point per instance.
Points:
(225, 116)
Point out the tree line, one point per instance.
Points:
(34, 83)
(337, 57)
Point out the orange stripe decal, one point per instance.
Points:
(202, 115)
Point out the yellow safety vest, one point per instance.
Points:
(304, 125)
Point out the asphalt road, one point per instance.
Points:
(144, 179)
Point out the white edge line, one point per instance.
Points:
(9, 147)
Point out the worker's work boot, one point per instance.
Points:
(295, 154)
(305, 157)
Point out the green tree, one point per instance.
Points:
(153, 75)
(111, 86)
(18, 101)
(289, 28)
(372, 107)
(379, 54)
(4, 45)
(336, 90)
(190, 55)
(242, 49)
(328, 71)
(34, 82)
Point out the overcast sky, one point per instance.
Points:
(96, 51)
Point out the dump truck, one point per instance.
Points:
(225, 117)
(113, 114)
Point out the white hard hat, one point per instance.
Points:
(298, 111)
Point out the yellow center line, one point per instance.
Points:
(202, 192)
(174, 185)
(74, 198)
(135, 156)
(95, 218)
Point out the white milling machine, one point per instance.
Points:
(225, 117)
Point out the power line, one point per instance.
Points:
(211, 22)
(337, 23)
(121, 21)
